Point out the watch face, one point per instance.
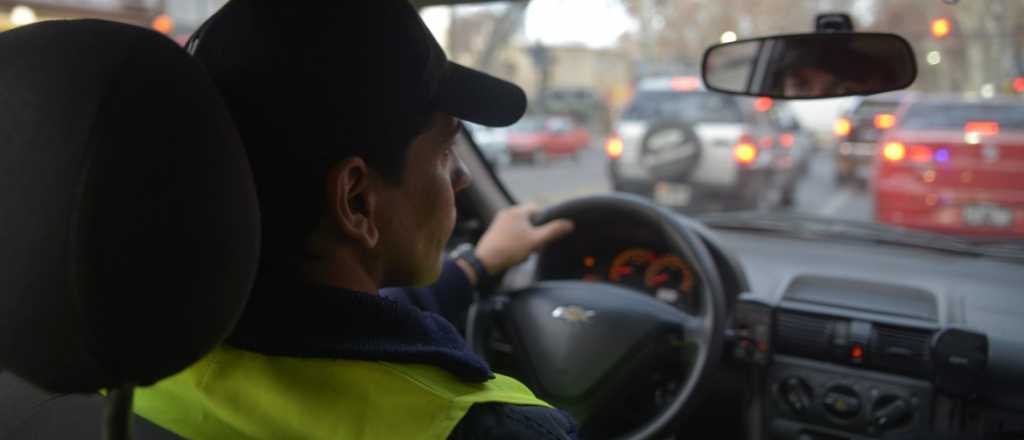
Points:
(460, 249)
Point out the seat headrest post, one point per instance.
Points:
(117, 423)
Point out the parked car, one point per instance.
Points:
(954, 166)
(536, 138)
(492, 141)
(730, 147)
(857, 133)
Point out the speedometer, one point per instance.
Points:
(671, 279)
(630, 266)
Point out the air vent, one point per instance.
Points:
(804, 335)
(901, 350)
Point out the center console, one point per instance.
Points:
(842, 359)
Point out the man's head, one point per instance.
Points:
(348, 111)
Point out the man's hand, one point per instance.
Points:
(511, 238)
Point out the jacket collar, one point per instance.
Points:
(328, 322)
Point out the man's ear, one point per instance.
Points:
(352, 201)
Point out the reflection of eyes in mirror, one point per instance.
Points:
(813, 82)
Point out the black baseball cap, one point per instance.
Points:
(352, 69)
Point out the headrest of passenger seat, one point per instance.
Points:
(129, 226)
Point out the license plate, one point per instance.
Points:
(672, 194)
(987, 214)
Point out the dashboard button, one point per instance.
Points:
(842, 402)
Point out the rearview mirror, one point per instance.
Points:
(825, 65)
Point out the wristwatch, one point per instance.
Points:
(466, 253)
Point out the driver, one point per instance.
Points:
(349, 111)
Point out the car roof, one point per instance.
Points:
(955, 99)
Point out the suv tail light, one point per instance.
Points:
(613, 147)
(884, 121)
(745, 152)
(842, 127)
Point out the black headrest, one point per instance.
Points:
(129, 226)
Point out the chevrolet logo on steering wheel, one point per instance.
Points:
(574, 314)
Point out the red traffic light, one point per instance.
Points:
(941, 27)
(1018, 84)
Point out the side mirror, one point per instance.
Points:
(808, 66)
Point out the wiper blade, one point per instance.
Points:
(816, 227)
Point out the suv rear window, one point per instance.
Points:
(687, 107)
(868, 109)
(946, 116)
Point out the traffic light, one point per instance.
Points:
(941, 27)
(1018, 84)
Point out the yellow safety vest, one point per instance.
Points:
(236, 394)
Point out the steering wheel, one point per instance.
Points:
(580, 344)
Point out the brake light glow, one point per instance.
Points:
(685, 83)
(613, 147)
(763, 104)
(894, 151)
(841, 127)
(786, 140)
(987, 128)
(920, 154)
(745, 153)
(884, 121)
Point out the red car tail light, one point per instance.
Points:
(763, 104)
(894, 151)
(920, 154)
(841, 127)
(988, 128)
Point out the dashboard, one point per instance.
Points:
(844, 339)
(863, 340)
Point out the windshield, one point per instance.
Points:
(600, 75)
(639, 62)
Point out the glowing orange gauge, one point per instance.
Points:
(630, 265)
(672, 272)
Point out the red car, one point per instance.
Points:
(954, 167)
(536, 138)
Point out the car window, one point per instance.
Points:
(696, 107)
(951, 116)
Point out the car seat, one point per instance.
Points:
(129, 232)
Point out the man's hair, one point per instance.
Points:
(292, 187)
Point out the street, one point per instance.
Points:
(562, 179)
